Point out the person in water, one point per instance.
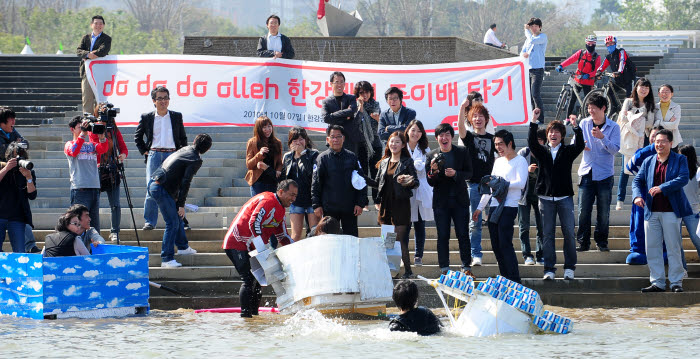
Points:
(412, 319)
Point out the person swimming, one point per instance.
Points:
(412, 319)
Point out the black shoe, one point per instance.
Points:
(677, 289)
(187, 227)
(408, 275)
(583, 248)
(35, 250)
(603, 249)
(246, 315)
(653, 289)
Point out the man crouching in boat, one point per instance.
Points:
(262, 216)
(70, 237)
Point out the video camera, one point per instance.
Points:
(108, 113)
(92, 124)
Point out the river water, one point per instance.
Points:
(598, 333)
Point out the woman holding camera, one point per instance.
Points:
(108, 164)
(263, 158)
(17, 185)
(395, 180)
(299, 165)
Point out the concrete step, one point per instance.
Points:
(72, 83)
(63, 96)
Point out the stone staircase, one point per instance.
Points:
(219, 189)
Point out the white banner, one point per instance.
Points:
(234, 91)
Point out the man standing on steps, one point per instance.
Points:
(658, 188)
(534, 49)
(596, 173)
(341, 109)
(333, 190)
(165, 133)
(555, 190)
(449, 169)
(93, 45)
(396, 117)
(168, 187)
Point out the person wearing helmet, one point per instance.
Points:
(623, 67)
(587, 62)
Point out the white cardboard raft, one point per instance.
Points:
(329, 272)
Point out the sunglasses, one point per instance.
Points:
(77, 224)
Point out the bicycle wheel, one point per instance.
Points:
(601, 92)
(563, 103)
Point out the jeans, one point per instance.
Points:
(572, 104)
(474, 227)
(502, 243)
(174, 233)
(458, 215)
(29, 240)
(115, 207)
(150, 207)
(524, 227)
(662, 228)
(536, 78)
(419, 235)
(564, 209)
(260, 187)
(691, 223)
(348, 222)
(15, 230)
(622, 185)
(601, 193)
(250, 293)
(90, 198)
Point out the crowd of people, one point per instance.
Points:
(452, 184)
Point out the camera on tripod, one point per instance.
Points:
(107, 113)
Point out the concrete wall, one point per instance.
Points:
(367, 50)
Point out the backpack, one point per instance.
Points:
(593, 58)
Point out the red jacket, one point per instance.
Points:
(263, 215)
(585, 66)
(120, 143)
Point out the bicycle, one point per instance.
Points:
(608, 91)
(566, 96)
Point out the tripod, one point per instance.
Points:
(122, 175)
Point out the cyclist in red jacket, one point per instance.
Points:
(587, 62)
(619, 61)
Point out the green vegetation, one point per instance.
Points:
(51, 25)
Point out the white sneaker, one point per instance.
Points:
(476, 261)
(171, 264)
(187, 251)
(685, 274)
(618, 206)
(529, 261)
(568, 274)
(113, 237)
(548, 276)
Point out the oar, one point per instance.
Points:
(168, 289)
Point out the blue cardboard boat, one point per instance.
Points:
(113, 281)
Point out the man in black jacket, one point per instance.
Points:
(332, 192)
(341, 109)
(169, 186)
(555, 190)
(450, 168)
(93, 45)
(274, 44)
(396, 117)
(165, 134)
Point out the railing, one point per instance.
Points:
(652, 42)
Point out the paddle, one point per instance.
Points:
(168, 289)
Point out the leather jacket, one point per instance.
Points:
(177, 171)
(405, 167)
(304, 171)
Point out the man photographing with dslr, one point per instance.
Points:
(17, 185)
(82, 154)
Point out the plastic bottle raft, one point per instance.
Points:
(498, 306)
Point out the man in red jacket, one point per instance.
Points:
(587, 63)
(262, 216)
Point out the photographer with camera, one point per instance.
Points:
(82, 153)
(109, 163)
(8, 133)
(17, 185)
(450, 167)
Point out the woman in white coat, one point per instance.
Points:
(668, 114)
(422, 200)
(636, 117)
